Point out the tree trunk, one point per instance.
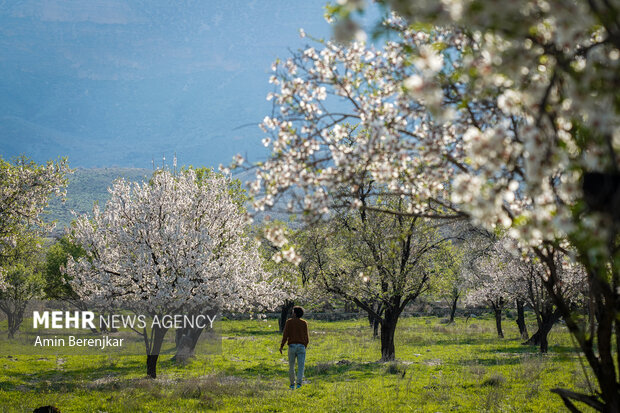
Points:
(498, 321)
(521, 320)
(103, 327)
(388, 327)
(10, 321)
(545, 322)
(548, 320)
(14, 320)
(606, 374)
(153, 349)
(453, 309)
(544, 334)
(151, 365)
(285, 311)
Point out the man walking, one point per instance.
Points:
(296, 333)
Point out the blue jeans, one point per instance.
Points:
(296, 351)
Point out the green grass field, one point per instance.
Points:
(440, 368)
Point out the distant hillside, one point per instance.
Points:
(85, 187)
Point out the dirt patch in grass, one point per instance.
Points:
(433, 362)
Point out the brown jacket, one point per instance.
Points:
(295, 332)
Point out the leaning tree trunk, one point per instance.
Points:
(388, 327)
(545, 321)
(153, 349)
(349, 307)
(285, 311)
(521, 320)
(453, 309)
(186, 340)
(14, 311)
(534, 339)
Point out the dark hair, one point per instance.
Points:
(299, 312)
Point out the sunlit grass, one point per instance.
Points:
(458, 367)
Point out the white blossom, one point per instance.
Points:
(168, 244)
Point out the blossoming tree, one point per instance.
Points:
(554, 67)
(501, 275)
(168, 246)
(506, 115)
(491, 282)
(25, 189)
(572, 287)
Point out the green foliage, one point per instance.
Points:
(448, 281)
(25, 249)
(372, 255)
(299, 281)
(56, 283)
(23, 282)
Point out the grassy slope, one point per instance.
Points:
(89, 185)
(460, 367)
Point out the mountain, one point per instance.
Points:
(119, 83)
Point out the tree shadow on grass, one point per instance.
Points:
(327, 371)
(465, 341)
(262, 370)
(514, 356)
(533, 350)
(248, 332)
(64, 380)
(333, 371)
(490, 361)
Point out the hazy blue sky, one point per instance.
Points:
(118, 83)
